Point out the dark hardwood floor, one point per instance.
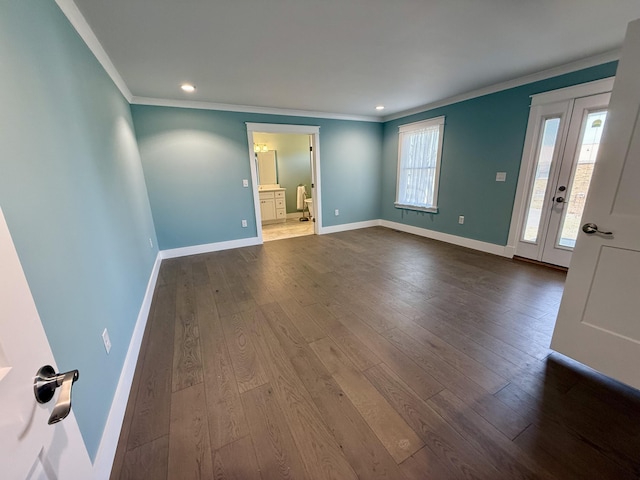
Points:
(366, 354)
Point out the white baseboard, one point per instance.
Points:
(501, 250)
(349, 226)
(209, 247)
(109, 442)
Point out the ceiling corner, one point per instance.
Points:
(77, 20)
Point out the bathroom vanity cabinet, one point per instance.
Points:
(273, 208)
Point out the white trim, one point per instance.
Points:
(422, 124)
(80, 24)
(210, 247)
(227, 107)
(111, 433)
(529, 151)
(349, 226)
(316, 191)
(575, 91)
(253, 167)
(282, 128)
(408, 129)
(516, 82)
(77, 20)
(403, 206)
(500, 250)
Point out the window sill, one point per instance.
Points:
(416, 208)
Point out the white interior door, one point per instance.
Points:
(598, 323)
(567, 136)
(29, 447)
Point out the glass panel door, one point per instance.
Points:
(587, 153)
(576, 167)
(541, 179)
(563, 152)
(549, 123)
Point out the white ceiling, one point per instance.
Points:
(345, 56)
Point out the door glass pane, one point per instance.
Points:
(541, 179)
(587, 154)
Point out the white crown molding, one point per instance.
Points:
(226, 107)
(600, 59)
(78, 22)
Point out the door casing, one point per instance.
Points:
(316, 191)
(528, 162)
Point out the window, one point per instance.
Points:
(419, 154)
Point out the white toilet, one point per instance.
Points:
(309, 203)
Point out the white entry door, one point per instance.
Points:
(29, 447)
(568, 138)
(599, 321)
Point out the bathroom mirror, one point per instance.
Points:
(267, 168)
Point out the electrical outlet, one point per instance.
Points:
(461, 219)
(501, 176)
(106, 340)
(150, 243)
(245, 182)
(244, 224)
(337, 212)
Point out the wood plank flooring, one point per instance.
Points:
(369, 354)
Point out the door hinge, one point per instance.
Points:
(311, 149)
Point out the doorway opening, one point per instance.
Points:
(285, 174)
(563, 137)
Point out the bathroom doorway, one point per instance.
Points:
(285, 176)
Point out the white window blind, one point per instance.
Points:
(419, 154)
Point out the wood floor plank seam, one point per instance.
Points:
(341, 345)
(395, 434)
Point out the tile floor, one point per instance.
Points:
(292, 228)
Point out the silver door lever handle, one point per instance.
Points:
(590, 228)
(45, 385)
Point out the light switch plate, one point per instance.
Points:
(501, 176)
(245, 182)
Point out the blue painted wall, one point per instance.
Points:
(194, 162)
(482, 136)
(73, 193)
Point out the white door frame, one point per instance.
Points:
(312, 130)
(528, 163)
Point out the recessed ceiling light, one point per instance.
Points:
(380, 107)
(187, 87)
